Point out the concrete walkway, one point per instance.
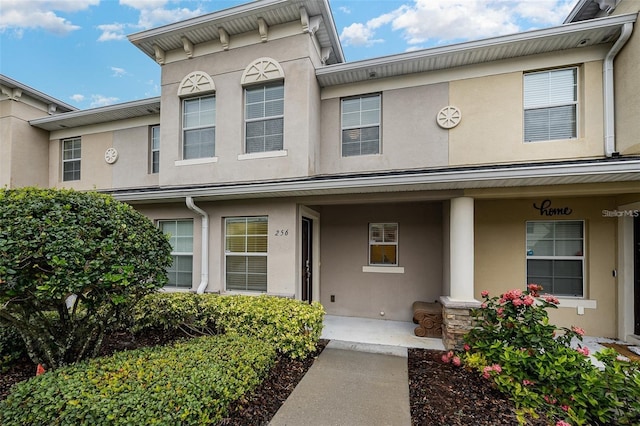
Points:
(347, 387)
(360, 378)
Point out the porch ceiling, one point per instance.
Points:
(450, 179)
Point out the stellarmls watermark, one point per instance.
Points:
(621, 213)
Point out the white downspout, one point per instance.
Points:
(204, 280)
(607, 76)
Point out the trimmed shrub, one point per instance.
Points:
(71, 263)
(189, 383)
(294, 327)
(11, 347)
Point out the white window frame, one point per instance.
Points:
(72, 161)
(178, 254)
(545, 96)
(264, 119)
(154, 149)
(373, 242)
(198, 127)
(360, 125)
(246, 254)
(579, 256)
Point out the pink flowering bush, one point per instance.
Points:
(526, 357)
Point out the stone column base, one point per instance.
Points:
(456, 321)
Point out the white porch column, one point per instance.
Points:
(461, 248)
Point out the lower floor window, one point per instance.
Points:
(180, 233)
(555, 256)
(246, 253)
(383, 244)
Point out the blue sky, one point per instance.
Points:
(77, 50)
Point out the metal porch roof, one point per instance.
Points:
(441, 179)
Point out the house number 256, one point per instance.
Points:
(281, 232)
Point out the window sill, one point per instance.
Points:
(196, 161)
(384, 269)
(268, 154)
(568, 302)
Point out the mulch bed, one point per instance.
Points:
(440, 394)
(443, 394)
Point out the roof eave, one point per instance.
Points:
(43, 97)
(559, 31)
(55, 122)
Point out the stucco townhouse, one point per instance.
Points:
(279, 167)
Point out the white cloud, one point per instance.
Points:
(100, 100)
(358, 34)
(153, 12)
(344, 9)
(77, 97)
(118, 72)
(18, 15)
(112, 32)
(429, 21)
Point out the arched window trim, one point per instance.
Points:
(196, 83)
(262, 70)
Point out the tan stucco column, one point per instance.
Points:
(461, 249)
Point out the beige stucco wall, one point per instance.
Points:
(132, 169)
(282, 255)
(344, 250)
(500, 254)
(491, 130)
(24, 157)
(627, 88)
(410, 136)
(95, 173)
(226, 68)
(131, 138)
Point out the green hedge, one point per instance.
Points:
(294, 327)
(12, 347)
(189, 383)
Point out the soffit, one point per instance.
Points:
(105, 114)
(569, 36)
(238, 20)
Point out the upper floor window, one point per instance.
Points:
(264, 117)
(154, 151)
(246, 240)
(550, 105)
(180, 233)
(361, 125)
(199, 127)
(555, 256)
(383, 244)
(71, 159)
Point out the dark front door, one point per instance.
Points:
(307, 259)
(636, 269)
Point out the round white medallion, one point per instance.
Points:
(111, 155)
(448, 117)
